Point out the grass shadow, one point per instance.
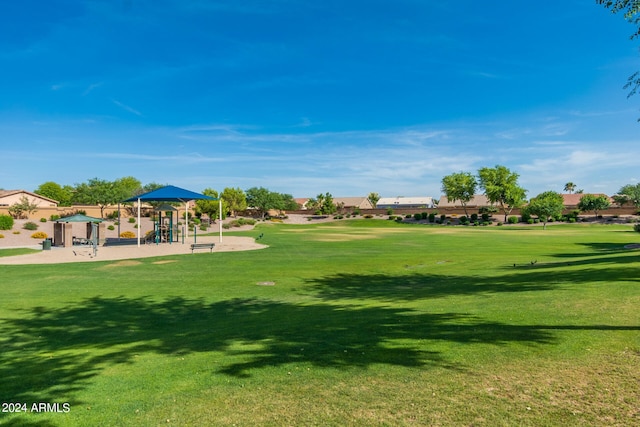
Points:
(419, 286)
(49, 353)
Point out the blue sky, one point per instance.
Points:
(302, 97)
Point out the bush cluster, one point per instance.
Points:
(6, 222)
(239, 223)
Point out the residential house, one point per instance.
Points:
(477, 201)
(353, 202)
(405, 202)
(11, 197)
(571, 201)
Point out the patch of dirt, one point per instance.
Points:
(123, 263)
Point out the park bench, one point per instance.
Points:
(209, 246)
(114, 241)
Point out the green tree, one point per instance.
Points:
(501, 186)
(460, 186)
(288, 202)
(211, 207)
(323, 204)
(126, 187)
(591, 202)
(629, 194)
(570, 187)
(263, 200)
(546, 205)
(55, 191)
(235, 199)
(328, 205)
(98, 192)
(374, 198)
(631, 12)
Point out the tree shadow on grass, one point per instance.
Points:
(410, 287)
(48, 354)
(610, 265)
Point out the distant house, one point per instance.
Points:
(353, 202)
(11, 197)
(572, 200)
(405, 202)
(476, 201)
(302, 202)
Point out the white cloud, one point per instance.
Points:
(126, 107)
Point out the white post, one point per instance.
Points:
(138, 221)
(220, 215)
(186, 221)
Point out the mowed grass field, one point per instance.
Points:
(364, 322)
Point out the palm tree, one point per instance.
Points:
(569, 187)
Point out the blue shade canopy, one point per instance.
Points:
(170, 194)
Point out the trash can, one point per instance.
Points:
(46, 245)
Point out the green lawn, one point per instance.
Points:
(363, 322)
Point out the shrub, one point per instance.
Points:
(127, 234)
(499, 224)
(407, 216)
(424, 215)
(368, 216)
(443, 217)
(131, 220)
(30, 226)
(530, 221)
(417, 216)
(111, 227)
(54, 217)
(636, 227)
(392, 217)
(203, 227)
(43, 219)
(6, 222)
(432, 217)
(463, 219)
(474, 217)
(1, 236)
(572, 220)
(485, 217)
(16, 232)
(39, 235)
(512, 220)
